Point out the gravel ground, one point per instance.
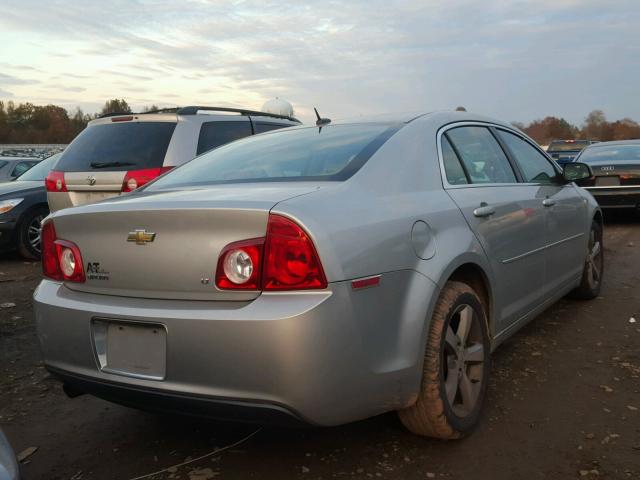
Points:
(564, 402)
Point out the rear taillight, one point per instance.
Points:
(55, 182)
(239, 265)
(61, 259)
(285, 259)
(290, 259)
(136, 178)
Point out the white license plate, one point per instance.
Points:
(132, 349)
(612, 181)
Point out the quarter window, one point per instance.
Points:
(452, 167)
(214, 134)
(534, 165)
(481, 155)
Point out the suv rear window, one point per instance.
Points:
(118, 147)
(333, 152)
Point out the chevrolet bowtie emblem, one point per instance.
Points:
(141, 237)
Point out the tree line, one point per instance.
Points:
(29, 123)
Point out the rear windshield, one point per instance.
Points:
(617, 153)
(567, 146)
(333, 152)
(39, 171)
(118, 146)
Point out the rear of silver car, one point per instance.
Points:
(151, 325)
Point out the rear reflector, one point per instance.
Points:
(55, 182)
(134, 179)
(365, 282)
(61, 259)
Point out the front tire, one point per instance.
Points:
(456, 367)
(29, 233)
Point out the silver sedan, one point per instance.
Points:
(320, 274)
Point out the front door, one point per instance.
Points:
(565, 213)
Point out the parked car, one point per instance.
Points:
(563, 151)
(616, 168)
(23, 205)
(319, 274)
(121, 152)
(8, 464)
(13, 167)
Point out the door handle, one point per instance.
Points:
(484, 210)
(547, 202)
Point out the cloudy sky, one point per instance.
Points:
(512, 59)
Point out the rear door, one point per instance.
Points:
(565, 212)
(505, 215)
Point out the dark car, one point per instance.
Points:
(564, 151)
(616, 169)
(23, 205)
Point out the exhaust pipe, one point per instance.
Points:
(71, 391)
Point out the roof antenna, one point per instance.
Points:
(321, 122)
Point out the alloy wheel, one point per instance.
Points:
(463, 360)
(33, 233)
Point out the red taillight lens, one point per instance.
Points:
(136, 178)
(55, 182)
(239, 265)
(284, 260)
(50, 265)
(61, 259)
(290, 259)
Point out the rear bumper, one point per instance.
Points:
(324, 358)
(616, 197)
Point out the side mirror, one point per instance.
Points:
(574, 171)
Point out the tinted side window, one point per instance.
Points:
(21, 167)
(261, 127)
(481, 154)
(214, 134)
(3, 163)
(452, 167)
(534, 165)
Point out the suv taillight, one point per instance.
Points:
(136, 178)
(55, 182)
(61, 259)
(285, 259)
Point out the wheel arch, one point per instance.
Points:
(474, 275)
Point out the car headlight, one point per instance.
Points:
(8, 205)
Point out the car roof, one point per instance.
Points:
(439, 116)
(20, 159)
(615, 143)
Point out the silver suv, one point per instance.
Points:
(119, 153)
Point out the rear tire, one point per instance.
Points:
(592, 274)
(29, 233)
(456, 367)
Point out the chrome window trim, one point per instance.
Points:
(477, 123)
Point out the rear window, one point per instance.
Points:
(333, 152)
(214, 134)
(567, 146)
(617, 153)
(118, 146)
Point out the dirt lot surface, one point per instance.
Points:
(564, 402)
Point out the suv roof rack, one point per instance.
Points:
(193, 109)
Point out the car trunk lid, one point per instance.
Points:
(166, 245)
